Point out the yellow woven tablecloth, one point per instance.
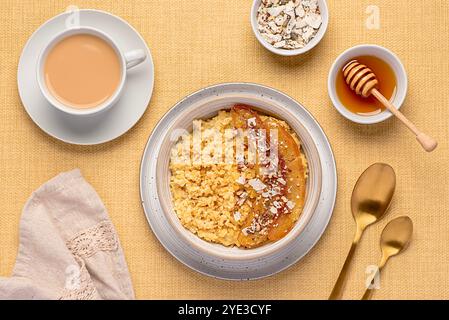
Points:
(198, 43)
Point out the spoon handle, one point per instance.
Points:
(368, 294)
(337, 292)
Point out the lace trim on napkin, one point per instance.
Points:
(79, 285)
(100, 237)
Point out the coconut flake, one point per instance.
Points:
(257, 184)
(290, 205)
(251, 122)
(241, 180)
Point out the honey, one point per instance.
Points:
(368, 106)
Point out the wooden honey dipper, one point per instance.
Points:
(363, 81)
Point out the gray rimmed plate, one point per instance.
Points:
(234, 263)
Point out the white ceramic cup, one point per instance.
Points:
(368, 50)
(128, 60)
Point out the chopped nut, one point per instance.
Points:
(314, 20)
(300, 11)
(241, 180)
(257, 184)
(280, 44)
(290, 205)
(280, 20)
(237, 216)
(251, 122)
(275, 11)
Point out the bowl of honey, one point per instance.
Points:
(390, 73)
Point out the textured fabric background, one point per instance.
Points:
(198, 43)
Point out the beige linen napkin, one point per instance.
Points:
(68, 246)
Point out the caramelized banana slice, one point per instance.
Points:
(294, 174)
(289, 150)
(252, 240)
(241, 115)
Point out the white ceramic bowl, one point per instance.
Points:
(284, 52)
(214, 259)
(368, 50)
(207, 109)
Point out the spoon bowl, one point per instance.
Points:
(372, 194)
(396, 236)
(395, 239)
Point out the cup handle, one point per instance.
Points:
(134, 57)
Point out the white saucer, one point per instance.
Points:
(211, 264)
(103, 127)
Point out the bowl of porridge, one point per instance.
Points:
(235, 183)
(239, 178)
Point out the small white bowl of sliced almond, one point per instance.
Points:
(289, 27)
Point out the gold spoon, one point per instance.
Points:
(363, 82)
(395, 238)
(370, 200)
